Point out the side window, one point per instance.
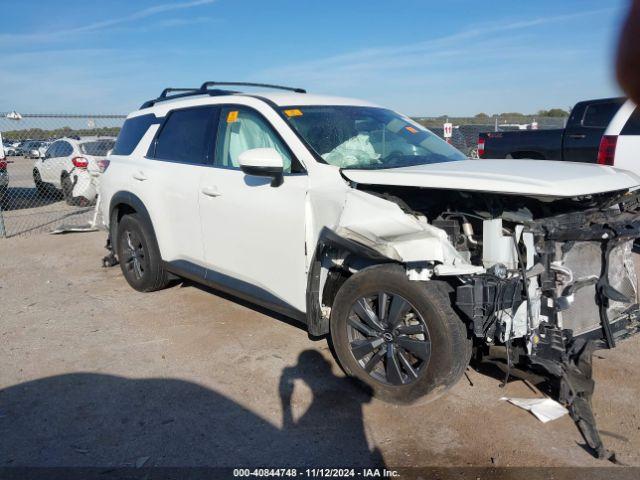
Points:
(52, 151)
(599, 114)
(65, 149)
(187, 136)
(131, 132)
(632, 127)
(242, 129)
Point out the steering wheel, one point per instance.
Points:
(394, 159)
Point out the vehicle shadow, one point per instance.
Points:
(88, 419)
(21, 198)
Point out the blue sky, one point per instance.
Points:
(454, 57)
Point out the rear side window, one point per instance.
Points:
(53, 150)
(65, 149)
(98, 148)
(131, 133)
(632, 127)
(187, 136)
(599, 114)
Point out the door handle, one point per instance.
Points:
(578, 135)
(139, 176)
(211, 191)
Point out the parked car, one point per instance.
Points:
(579, 141)
(20, 147)
(9, 148)
(33, 149)
(73, 165)
(620, 145)
(406, 256)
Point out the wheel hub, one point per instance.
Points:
(388, 338)
(135, 254)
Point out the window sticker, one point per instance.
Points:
(232, 116)
(294, 112)
(411, 129)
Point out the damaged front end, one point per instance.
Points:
(550, 279)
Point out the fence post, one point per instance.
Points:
(3, 231)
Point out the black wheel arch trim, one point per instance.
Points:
(129, 199)
(328, 239)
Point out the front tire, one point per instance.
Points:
(139, 255)
(399, 337)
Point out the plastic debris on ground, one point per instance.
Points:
(545, 409)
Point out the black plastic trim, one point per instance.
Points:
(316, 323)
(233, 286)
(124, 197)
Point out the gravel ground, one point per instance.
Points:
(94, 373)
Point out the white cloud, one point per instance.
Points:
(21, 38)
(389, 57)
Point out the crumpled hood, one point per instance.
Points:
(524, 177)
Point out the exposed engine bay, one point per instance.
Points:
(550, 279)
(543, 259)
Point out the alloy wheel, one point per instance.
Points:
(388, 338)
(134, 254)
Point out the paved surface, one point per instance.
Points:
(94, 373)
(25, 211)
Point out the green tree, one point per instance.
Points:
(554, 112)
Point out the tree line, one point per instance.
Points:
(42, 134)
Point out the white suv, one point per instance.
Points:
(73, 165)
(620, 144)
(364, 225)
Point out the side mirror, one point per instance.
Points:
(262, 162)
(34, 153)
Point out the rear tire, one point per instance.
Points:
(139, 255)
(41, 187)
(67, 188)
(421, 353)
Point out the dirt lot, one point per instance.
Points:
(94, 373)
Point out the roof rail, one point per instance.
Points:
(205, 90)
(172, 89)
(206, 85)
(186, 92)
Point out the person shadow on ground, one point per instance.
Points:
(97, 420)
(333, 425)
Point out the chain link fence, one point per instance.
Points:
(50, 173)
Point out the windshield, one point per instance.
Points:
(368, 137)
(98, 148)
